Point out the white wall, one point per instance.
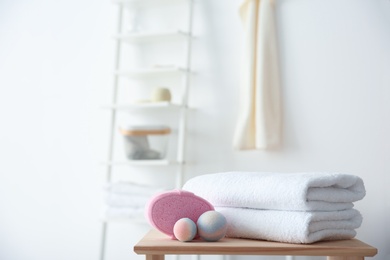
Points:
(55, 64)
(55, 56)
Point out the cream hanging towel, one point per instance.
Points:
(259, 122)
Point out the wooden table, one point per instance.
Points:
(156, 245)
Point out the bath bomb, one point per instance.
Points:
(184, 229)
(212, 226)
(166, 208)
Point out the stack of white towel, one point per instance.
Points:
(285, 207)
(127, 199)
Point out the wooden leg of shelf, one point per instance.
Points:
(345, 257)
(154, 257)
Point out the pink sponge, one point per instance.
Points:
(166, 208)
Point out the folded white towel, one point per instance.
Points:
(131, 188)
(133, 213)
(291, 226)
(279, 191)
(121, 200)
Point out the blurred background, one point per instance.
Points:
(56, 64)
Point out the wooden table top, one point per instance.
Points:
(157, 243)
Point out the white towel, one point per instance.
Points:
(121, 200)
(291, 226)
(133, 213)
(124, 187)
(279, 191)
(259, 122)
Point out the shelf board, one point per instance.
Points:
(141, 37)
(146, 105)
(153, 72)
(143, 163)
(130, 3)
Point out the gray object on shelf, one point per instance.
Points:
(137, 145)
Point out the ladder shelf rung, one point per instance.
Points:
(143, 163)
(146, 105)
(131, 3)
(138, 37)
(153, 72)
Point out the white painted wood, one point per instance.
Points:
(132, 3)
(108, 176)
(145, 73)
(184, 101)
(142, 163)
(142, 37)
(146, 105)
(151, 72)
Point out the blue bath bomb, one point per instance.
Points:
(212, 226)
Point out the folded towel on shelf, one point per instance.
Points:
(124, 212)
(126, 199)
(120, 200)
(279, 191)
(131, 188)
(291, 226)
